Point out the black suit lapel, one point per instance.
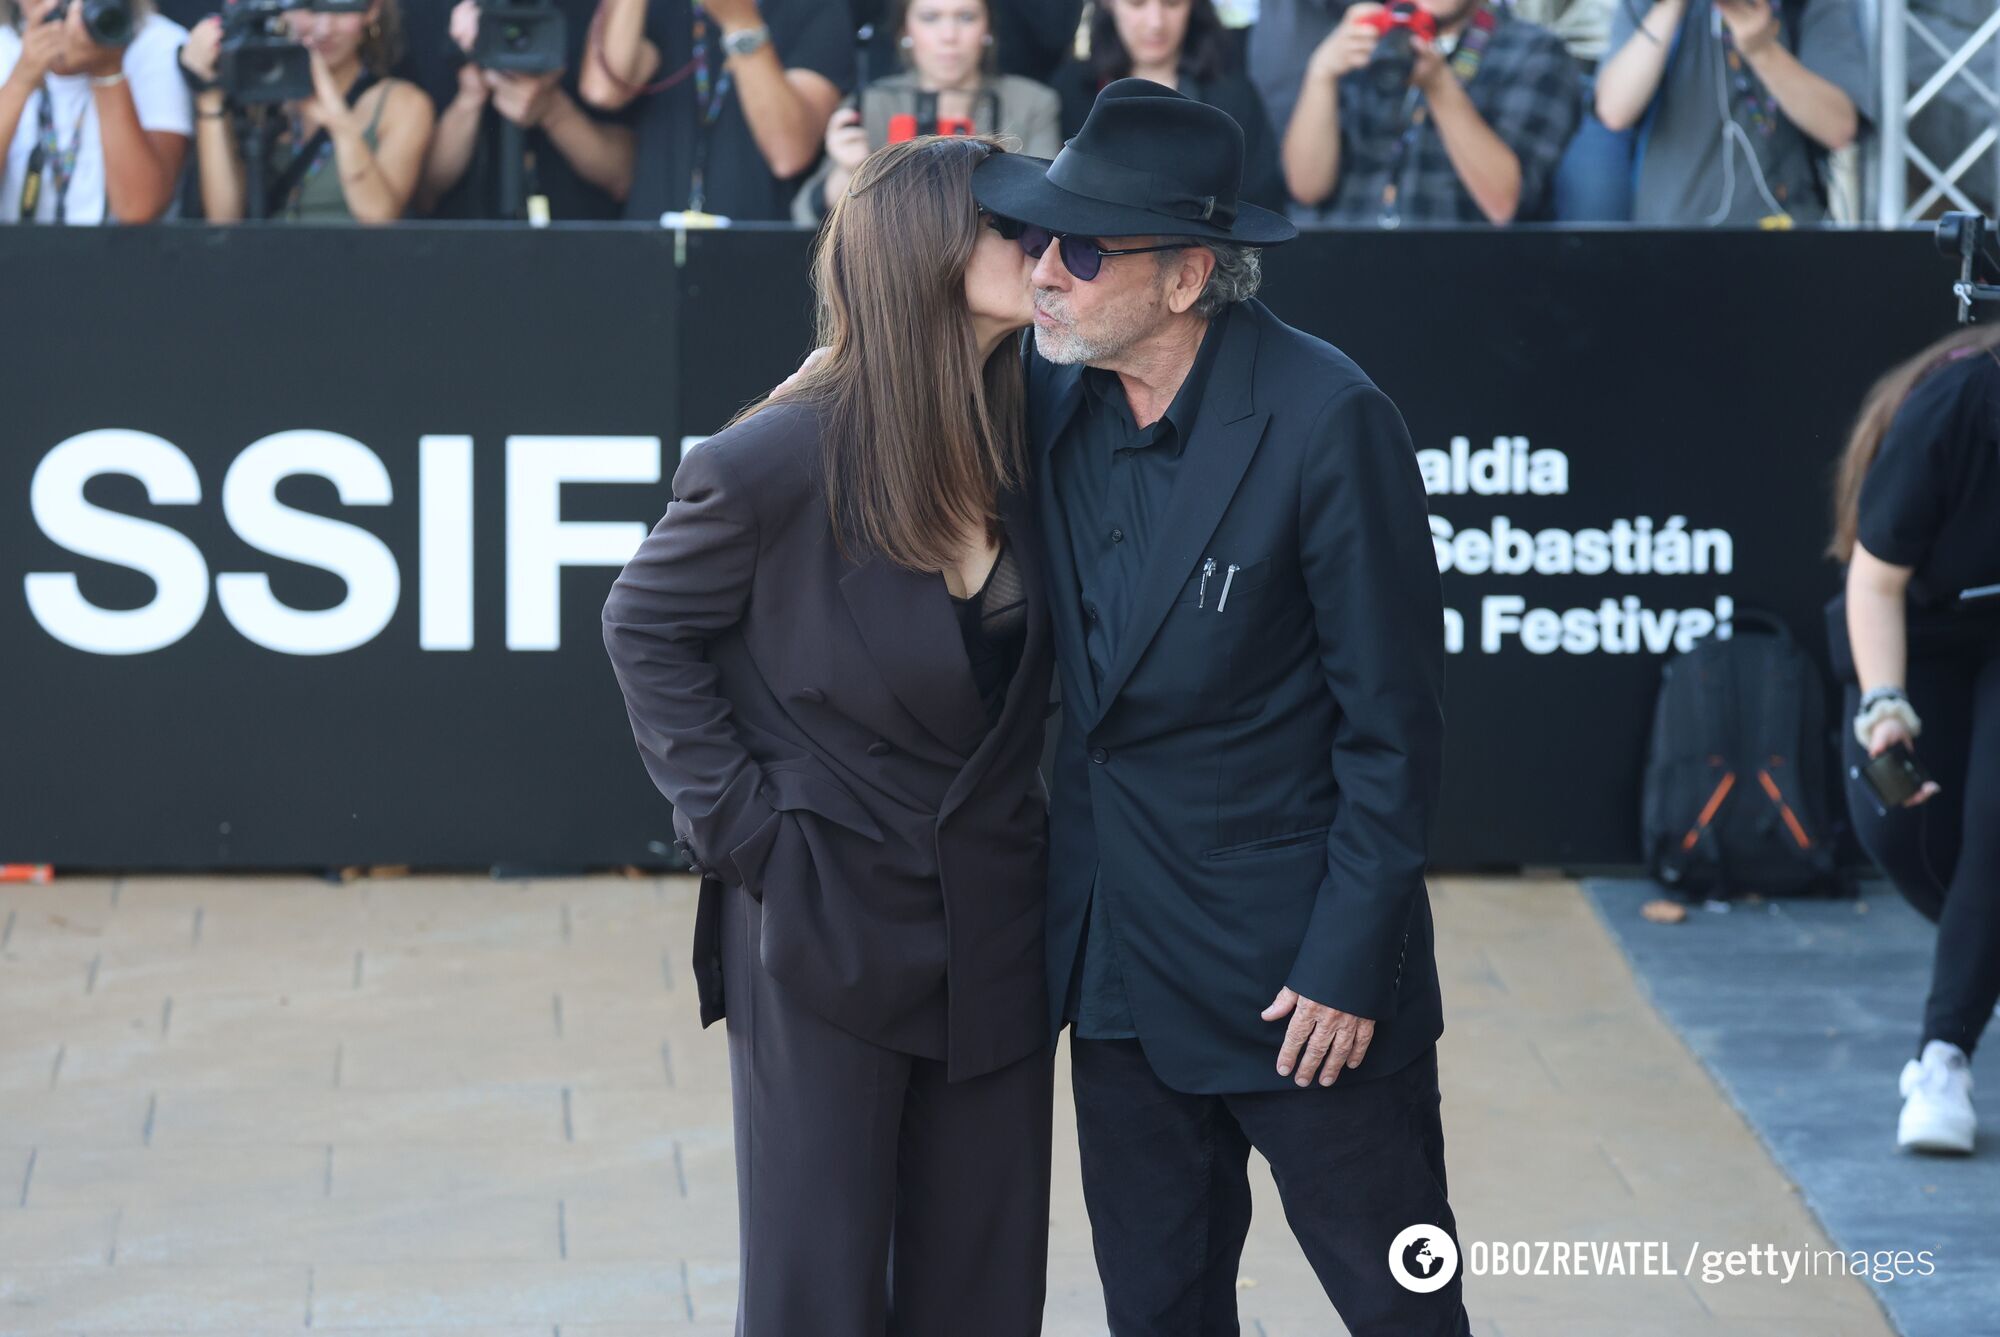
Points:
(906, 620)
(1227, 431)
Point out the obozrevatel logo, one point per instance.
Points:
(1422, 1258)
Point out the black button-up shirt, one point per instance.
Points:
(1112, 480)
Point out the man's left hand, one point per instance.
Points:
(86, 56)
(524, 99)
(733, 14)
(1320, 1039)
(1429, 70)
(1751, 23)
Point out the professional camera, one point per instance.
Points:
(259, 62)
(521, 37)
(1964, 238)
(109, 22)
(1395, 59)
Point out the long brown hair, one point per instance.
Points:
(917, 436)
(1872, 424)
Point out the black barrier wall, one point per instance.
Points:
(306, 532)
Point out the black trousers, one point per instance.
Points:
(1944, 855)
(1165, 1178)
(874, 1197)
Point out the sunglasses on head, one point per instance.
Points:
(1081, 256)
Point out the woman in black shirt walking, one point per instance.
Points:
(1917, 518)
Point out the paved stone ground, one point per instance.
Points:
(1804, 1011)
(440, 1105)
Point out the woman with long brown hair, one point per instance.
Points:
(352, 152)
(1917, 519)
(835, 654)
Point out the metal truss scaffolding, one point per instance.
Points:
(1969, 72)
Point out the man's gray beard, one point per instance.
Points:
(1063, 347)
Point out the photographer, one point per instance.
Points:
(351, 153)
(1915, 509)
(1737, 101)
(575, 164)
(94, 132)
(1394, 127)
(733, 97)
(950, 80)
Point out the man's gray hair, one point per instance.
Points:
(1238, 272)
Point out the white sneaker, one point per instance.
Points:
(1937, 1101)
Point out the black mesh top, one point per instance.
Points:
(994, 622)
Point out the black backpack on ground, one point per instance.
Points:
(1735, 795)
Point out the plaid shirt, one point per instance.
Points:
(1527, 89)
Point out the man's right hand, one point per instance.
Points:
(1348, 47)
(41, 42)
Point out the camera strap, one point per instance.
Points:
(61, 163)
(280, 191)
(1466, 55)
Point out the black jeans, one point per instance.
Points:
(1165, 1179)
(1944, 855)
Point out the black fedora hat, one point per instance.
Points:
(1147, 161)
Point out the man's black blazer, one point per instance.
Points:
(816, 727)
(1258, 770)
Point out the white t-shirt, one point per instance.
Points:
(158, 91)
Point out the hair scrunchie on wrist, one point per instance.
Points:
(1885, 704)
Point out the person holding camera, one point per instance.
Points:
(1738, 102)
(352, 152)
(733, 97)
(94, 118)
(1915, 507)
(950, 84)
(1182, 45)
(575, 164)
(1442, 111)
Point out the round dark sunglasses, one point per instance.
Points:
(1081, 256)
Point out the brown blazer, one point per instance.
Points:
(816, 727)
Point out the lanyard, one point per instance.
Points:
(708, 104)
(1465, 59)
(61, 162)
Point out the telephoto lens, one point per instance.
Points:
(108, 22)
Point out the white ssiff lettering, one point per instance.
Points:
(1640, 545)
(540, 543)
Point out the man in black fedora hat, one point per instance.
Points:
(1249, 632)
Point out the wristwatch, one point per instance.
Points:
(744, 41)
